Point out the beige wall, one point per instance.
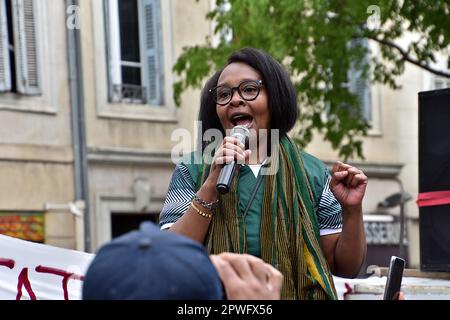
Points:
(128, 142)
(39, 127)
(36, 160)
(114, 183)
(183, 24)
(28, 186)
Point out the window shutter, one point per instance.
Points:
(153, 52)
(361, 87)
(26, 54)
(5, 72)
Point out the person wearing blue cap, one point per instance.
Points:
(150, 264)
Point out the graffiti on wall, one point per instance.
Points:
(23, 226)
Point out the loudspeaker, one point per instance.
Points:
(434, 175)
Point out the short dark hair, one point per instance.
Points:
(282, 98)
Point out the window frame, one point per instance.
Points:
(373, 97)
(44, 101)
(445, 82)
(25, 64)
(6, 81)
(114, 64)
(114, 54)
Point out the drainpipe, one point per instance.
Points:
(78, 122)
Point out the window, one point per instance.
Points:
(19, 66)
(441, 83)
(123, 222)
(135, 52)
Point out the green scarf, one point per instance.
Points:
(289, 232)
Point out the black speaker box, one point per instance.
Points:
(434, 175)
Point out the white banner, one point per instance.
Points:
(30, 271)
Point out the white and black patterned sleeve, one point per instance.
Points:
(330, 212)
(179, 196)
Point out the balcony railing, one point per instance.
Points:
(128, 93)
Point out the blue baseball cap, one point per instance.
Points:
(150, 264)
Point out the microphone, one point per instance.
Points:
(227, 173)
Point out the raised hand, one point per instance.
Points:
(348, 184)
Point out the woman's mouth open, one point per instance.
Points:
(242, 120)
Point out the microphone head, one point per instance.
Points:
(241, 133)
(228, 171)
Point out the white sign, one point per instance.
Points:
(382, 232)
(32, 271)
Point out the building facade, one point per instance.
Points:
(36, 154)
(88, 122)
(130, 112)
(86, 109)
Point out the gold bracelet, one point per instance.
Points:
(200, 212)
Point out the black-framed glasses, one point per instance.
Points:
(247, 89)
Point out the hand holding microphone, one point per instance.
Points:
(231, 151)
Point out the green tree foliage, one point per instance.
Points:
(320, 42)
